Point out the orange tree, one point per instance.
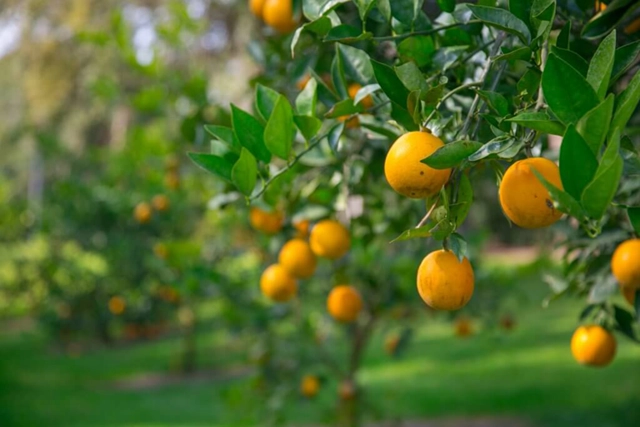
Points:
(369, 115)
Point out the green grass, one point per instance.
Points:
(528, 373)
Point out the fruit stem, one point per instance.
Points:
(426, 217)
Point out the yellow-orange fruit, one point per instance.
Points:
(256, 7)
(404, 170)
(367, 101)
(592, 345)
(302, 228)
(625, 264)
(445, 283)
(330, 239)
(266, 222)
(302, 83)
(142, 212)
(298, 259)
(278, 14)
(277, 284)
(524, 199)
(352, 122)
(633, 27)
(117, 305)
(160, 202)
(344, 303)
(309, 386)
(629, 294)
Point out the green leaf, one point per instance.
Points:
(384, 6)
(411, 76)
(603, 22)
(403, 117)
(451, 154)
(356, 64)
(529, 84)
(624, 319)
(307, 99)
(458, 246)
(538, 121)
(333, 136)
(320, 26)
(365, 91)
(602, 290)
(390, 83)
(346, 34)
(325, 94)
(522, 10)
(244, 173)
(597, 196)
(522, 53)
(447, 5)
(495, 146)
(634, 218)
(563, 201)
(364, 7)
(338, 76)
(213, 164)
(601, 65)
(343, 108)
(565, 36)
(594, 125)
(496, 102)
(624, 59)
(309, 126)
(573, 59)
(419, 49)
(225, 135)
(391, 133)
(502, 19)
(265, 100)
(250, 133)
(464, 201)
(568, 94)
(406, 11)
(278, 135)
(578, 164)
(626, 104)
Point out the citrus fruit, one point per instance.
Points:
(278, 14)
(366, 102)
(160, 202)
(302, 228)
(298, 259)
(309, 386)
(629, 294)
(524, 199)
(116, 305)
(302, 82)
(256, 7)
(592, 345)
(344, 303)
(266, 222)
(330, 239)
(404, 170)
(444, 282)
(277, 284)
(625, 264)
(142, 212)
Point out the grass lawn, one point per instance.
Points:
(528, 374)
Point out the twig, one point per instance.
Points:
(425, 32)
(426, 217)
(494, 50)
(359, 344)
(447, 96)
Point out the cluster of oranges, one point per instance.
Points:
(278, 14)
(144, 210)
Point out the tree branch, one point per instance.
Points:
(447, 96)
(425, 32)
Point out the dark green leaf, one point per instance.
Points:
(424, 231)
(343, 108)
(602, 290)
(458, 246)
(334, 136)
(594, 125)
(384, 6)
(573, 59)
(565, 36)
(496, 102)
(624, 59)
(419, 49)
(225, 135)
(452, 154)
(502, 19)
(601, 65)
(278, 135)
(522, 53)
(390, 133)
(390, 83)
(346, 34)
(320, 26)
(364, 7)
(309, 126)
(529, 84)
(307, 99)
(447, 5)
(568, 94)
(603, 22)
(244, 173)
(624, 319)
(356, 64)
(403, 117)
(411, 76)
(626, 104)
(634, 218)
(265, 100)
(597, 196)
(338, 76)
(406, 11)
(578, 164)
(563, 201)
(213, 164)
(538, 121)
(522, 10)
(494, 146)
(250, 133)
(462, 206)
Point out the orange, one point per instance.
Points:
(391, 344)
(278, 14)
(592, 345)
(266, 222)
(633, 27)
(160, 250)
(172, 180)
(404, 170)
(625, 264)
(463, 327)
(309, 386)
(330, 239)
(352, 122)
(298, 259)
(347, 390)
(524, 199)
(302, 83)
(160, 202)
(367, 101)
(142, 212)
(629, 294)
(257, 7)
(117, 305)
(600, 7)
(277, 284)
(344, 303)
(302, 228)
(445, 283)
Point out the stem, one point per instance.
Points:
(425, 32)
(494, 50)
(362, 337)
(543, 62)
(447, 96)
(426, 217)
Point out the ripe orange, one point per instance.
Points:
(445, 283)
(298, 259)
(266, 222)
(277, 284)
(344, 303)
(278, 14)
(367, 102)
(625, 264)
(352, 122)
(633, 27)
(302, 228)
(117, 305)
(524, 199)
(256, 7)
(404, 170)
(160, 202)
(309, 386)
(463, 327)
(629, 294)
(592, 345)
(330, 239)
(142, 212)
